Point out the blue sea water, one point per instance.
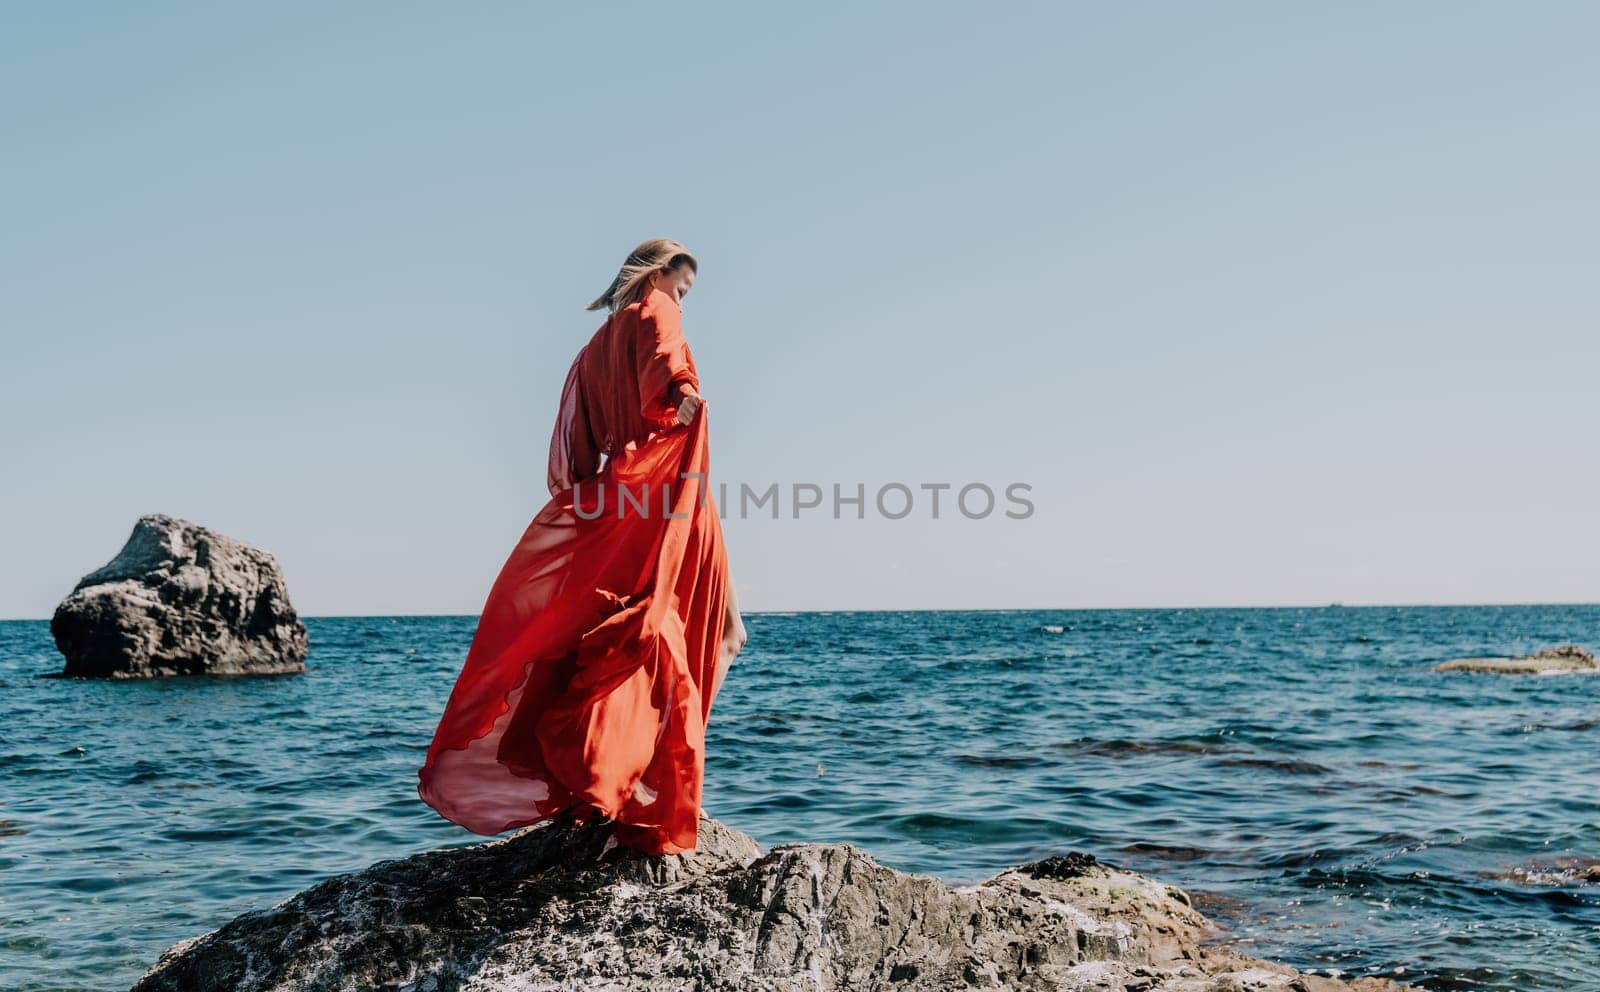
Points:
(1327, 798)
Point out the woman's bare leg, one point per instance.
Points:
(733, 636)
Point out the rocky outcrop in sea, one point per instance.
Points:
(1549, 661)
(558, 906)
(180, 599)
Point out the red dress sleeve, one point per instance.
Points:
(665, 365)
(574, 453)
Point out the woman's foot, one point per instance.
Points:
(584, 812)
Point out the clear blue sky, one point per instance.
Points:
(1269, 303)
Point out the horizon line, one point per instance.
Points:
(987, 609)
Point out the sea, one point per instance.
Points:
(1325, 798)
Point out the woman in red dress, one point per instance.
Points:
(589, 681)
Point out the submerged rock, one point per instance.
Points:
(1565, 658)
(1562, 871)
(179, 599)
(558, 906)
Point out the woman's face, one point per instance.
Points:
(675, 283)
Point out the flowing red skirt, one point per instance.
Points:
(592, 672)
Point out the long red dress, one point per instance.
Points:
(591, 675)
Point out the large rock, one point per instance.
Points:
(559, 907)
(1565, 658)
(179, 599)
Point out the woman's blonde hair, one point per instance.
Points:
(662, 254)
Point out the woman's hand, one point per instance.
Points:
(689, 406)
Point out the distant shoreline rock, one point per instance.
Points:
(558, 906)
(1564, 658)
(180, 599)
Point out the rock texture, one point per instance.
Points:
(1566, 658)
(179, 599)
(558, 907)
